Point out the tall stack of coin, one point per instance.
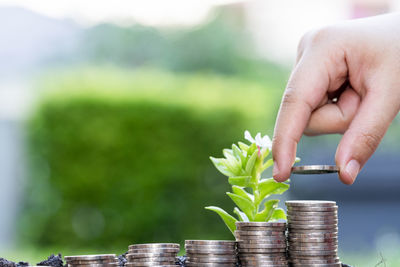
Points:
(261, 243)
(153, 254)
(92, 260)
(313, 233)
(210, 253)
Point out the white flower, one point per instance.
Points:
(261, 142)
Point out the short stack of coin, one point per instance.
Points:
(261, 243)
(210, 253)
(313, 233)
(153, 254)
(92, 260)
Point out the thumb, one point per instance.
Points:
(365, 132)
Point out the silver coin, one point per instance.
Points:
(318, 214)
(154, 245)
(260, 224)
(261, 246)
(313, 239)
(295, 253)
(266, 260)
(149, 255)
(196, 264)
(212, 259)
(313, 226)
(270, 257)
(263, 264)
(228, 243)
(209, 247)
(259, 233)
(315, 260)
(261, 250)
(293, 210)
(262, 228)
(92, 263)
(305, 219)
(315, 169)
(154, 259)
(90, 257)
(251, 238)
(308, 203)
(308, 234)
(210, 251)
(154, 250)
(152, 264)
(77, 262)
(261, 242)
(305, 246)
(311, 222)
(96, 265)
(317, 265)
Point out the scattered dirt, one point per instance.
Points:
(180, 261)
(53, 260)
(121, 259)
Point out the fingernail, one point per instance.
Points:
(275, 170)
(352, 168)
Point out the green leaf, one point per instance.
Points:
(251, 162)
(266, 213)
(243, 146)
(228, 219)
(269, 187)
(252, 148)
(227, 152)
(238, 153)
(243, 181)
(233, 165)
(221, 165)
(244, 204)
(267, 164)
(242, 216)
(278, 214)
(249, 152)
(243, 193)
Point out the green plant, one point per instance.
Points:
(244, 164)
(118, 157)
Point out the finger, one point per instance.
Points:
(334, 118)
(364, 134)
(306, 89)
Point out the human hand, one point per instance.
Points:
(356, 63)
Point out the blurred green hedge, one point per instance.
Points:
(120, 157)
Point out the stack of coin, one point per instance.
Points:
(261, 243)
(92, 260)
(313, 233)
(210, 253)
(153, 254)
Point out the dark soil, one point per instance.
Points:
(122, 259)
(180, 261)
(52, 260)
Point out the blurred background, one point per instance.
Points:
(110, 109)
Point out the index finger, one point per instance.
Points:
(306, 88)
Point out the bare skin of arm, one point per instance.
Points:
(357, 62)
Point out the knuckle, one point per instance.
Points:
(370, 140)
(290, 97)
(315, 37)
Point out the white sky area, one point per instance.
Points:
(150, 12)
(275, 25)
